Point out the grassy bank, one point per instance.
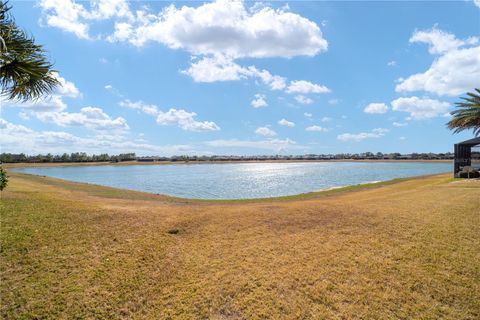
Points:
(404, 249)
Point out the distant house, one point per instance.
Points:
(463, 154)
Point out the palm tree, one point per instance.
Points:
(467, 114)
(25, 72)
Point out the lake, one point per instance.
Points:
(239, 180)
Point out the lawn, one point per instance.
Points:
(403, 250)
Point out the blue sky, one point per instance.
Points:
(161, 78)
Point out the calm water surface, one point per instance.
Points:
(239, 180)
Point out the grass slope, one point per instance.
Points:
(404, 250)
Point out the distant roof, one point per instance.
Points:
(471, 142)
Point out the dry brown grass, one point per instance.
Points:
(409, 250)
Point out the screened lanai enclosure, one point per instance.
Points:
(467, 156)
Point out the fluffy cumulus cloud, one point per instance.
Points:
(302, 86)
(357, 137)
(420, 108)
(225, 27)
(213, 69)
(316, 128)
(220, 27)
(265, 131)
(181, 118)
(455, 68)
(303, 100)
(376, 108)
(439, 40)
(285, 122)
(216, 33)
(220, 68)
(259, 101)
(18, 138)
(73, 17)
(185, 120)
(88, 117)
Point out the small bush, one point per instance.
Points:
(3, 179)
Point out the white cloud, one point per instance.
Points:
(316, 129)
(259, 101)
(17, 138)
(46, 104)
(420, 108)
(65, 15)
(149, 109)
(181, 118)
(185, 120)
(456, 70)
(89, 117)
(275, 82)
(326, 119)
(217, 32)
(307, 114)
(376, 108)
(227, 28)
(302, 86)
(392, 63)
(65, 88)
(220, 27)
(375, 133)
(400, 124)
(106, 9)
(285, 122)
(276, 145)
(212, 69)
(73, 17)
(108, 87)
(303, 100)
(220, 68)
(439, 41)
(477, 3)
(265, 131)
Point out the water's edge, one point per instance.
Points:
(299, 196)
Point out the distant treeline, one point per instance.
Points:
(72, 157)
(84, 157)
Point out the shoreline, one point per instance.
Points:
(130, 163)
(171, 198)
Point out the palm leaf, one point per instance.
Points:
(467, 114)
(25, 72)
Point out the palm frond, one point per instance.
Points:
(25, 72)
(467, 114)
